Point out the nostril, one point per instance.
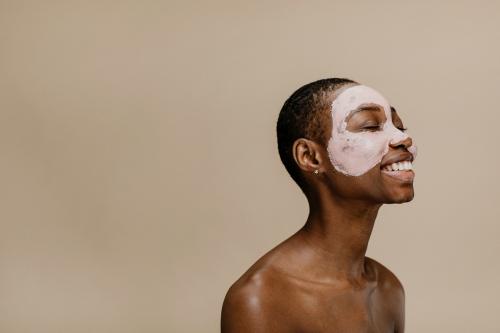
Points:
(404, 142)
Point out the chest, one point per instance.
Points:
(363, 311)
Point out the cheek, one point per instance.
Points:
(367, 145)
(356, 153)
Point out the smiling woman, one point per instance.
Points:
(349, 152)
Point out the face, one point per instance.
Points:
(369, 144)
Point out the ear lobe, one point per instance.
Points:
(306, 154)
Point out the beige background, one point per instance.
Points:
(139, 171)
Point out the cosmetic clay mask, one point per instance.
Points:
(354, 154)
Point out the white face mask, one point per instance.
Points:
(353, 153)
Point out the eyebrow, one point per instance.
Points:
(371, 107)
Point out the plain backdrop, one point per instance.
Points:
(139, 171)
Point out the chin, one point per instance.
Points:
(401, 197)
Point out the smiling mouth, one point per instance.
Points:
(404, 176)
(398, 166)
(402, 171)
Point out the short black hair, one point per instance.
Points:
(304, 115)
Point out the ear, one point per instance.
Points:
(307, 155)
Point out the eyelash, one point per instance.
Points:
(374, 128)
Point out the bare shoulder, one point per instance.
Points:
(392, 291)
(257, 301)
(252, 304)
(387, 280)
(245, 303)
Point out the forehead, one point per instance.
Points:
(355, 96)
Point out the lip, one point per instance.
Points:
(405, 176)
(396, 157)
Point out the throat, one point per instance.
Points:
(340, 235)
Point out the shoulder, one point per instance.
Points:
(393, 293)
(386, 279)
(252, 303)
(262, 299)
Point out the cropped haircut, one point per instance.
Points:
(305, 115)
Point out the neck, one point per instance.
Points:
(340, 230)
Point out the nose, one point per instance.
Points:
(405, 143)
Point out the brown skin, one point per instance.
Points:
(319, 280)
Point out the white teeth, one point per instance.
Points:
(399, 166)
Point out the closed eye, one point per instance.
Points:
(372, 128)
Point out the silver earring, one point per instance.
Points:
(316, 171)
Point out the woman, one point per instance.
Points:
(347, 149)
